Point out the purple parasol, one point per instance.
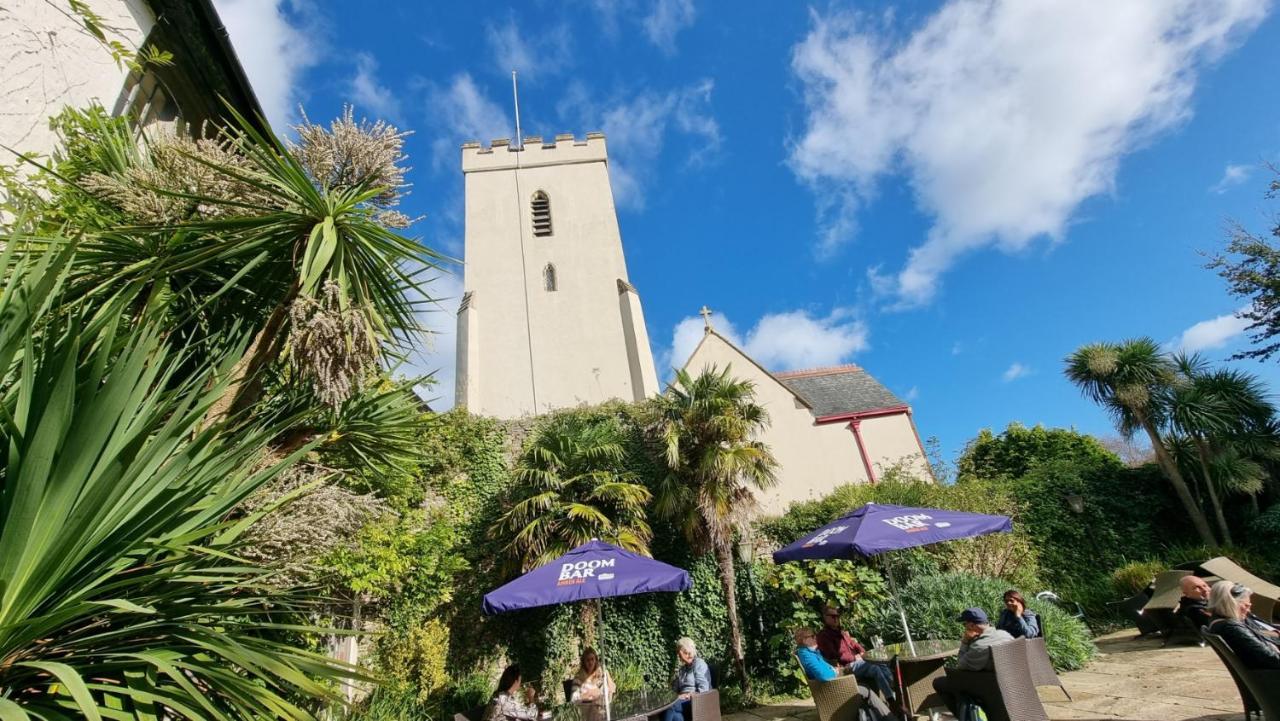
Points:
(593, 570)
(874, 529)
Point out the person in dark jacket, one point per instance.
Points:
(1016, 619)
(1194, 604)
(1231, 603)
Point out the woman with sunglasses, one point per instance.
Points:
(1231, 603)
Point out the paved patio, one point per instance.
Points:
(1129, 679)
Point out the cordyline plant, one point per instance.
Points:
(294, 241)
(145, 321)
(120, 594)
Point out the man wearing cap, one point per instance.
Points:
(975, 653)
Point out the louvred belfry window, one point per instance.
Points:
(549, 277)
(541, 214)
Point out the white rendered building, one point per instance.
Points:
(548, 319)
(50, 61)
(827, 426)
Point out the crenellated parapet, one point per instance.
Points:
(501, 154)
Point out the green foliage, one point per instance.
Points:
(120, 593)
(1018, 449)
(1127, 512)
(798, 592)
(707, 430)
(1250, 265)
(416, 659)
(572, 486)
(1133, 577)
(409, 558)
(810, 585)
(1266, 527)
(933, 602)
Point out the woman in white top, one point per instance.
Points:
(589, 685)
(512, 701)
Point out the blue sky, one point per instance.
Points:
(954, 195)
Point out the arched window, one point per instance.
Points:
(549, 277)
(541, 214)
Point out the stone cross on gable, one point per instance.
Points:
(706, 318)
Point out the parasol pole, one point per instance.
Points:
(902, 612)
(604, 670)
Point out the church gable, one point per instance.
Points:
(839, 390)
(716, 350)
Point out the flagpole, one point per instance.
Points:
(515, 95)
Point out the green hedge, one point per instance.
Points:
(933, 602)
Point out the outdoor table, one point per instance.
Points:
(917, 670)
(629, 705)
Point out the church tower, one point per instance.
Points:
(548, 319)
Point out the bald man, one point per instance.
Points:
(1194, 604)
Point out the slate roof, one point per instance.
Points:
(838, 390)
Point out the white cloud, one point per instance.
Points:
(439, 353)
(779, 341)
(665, 22)
(1003, 115)
(274, 49)
(1232, 175)
(369, 95)
(912, 394)
(637, 128)
(462, 112)
(534, 55)
(1212, 333)
(957, 348)
(1015, 371)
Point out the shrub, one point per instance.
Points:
(933, 602)
(1126, 513)
(1135, 576)
(1266, 527)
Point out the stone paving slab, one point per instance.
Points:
(1131, 678)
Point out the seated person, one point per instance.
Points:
(1231, 603)
(975, 654)
(589, 685)
(511, 702)
(1194, 604)
(816, 667)
(1016, 619)
(692, 676)
(842, 651)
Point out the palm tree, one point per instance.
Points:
(1211, 408)
(120, 594)
(572, 487)
(1132, 381)
(245, 231)
(706, 428)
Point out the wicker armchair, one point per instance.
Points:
(1009, 692)
(1042, 673)
(1259, 689)
(839, 699)
(705, 706)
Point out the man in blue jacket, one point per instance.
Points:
(816, 668)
